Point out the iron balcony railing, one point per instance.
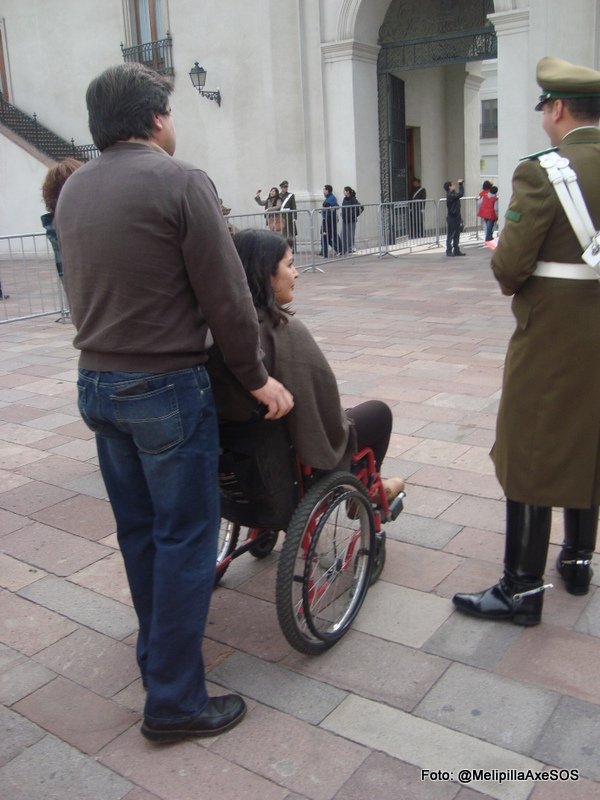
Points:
(156, 55)
(42, 138)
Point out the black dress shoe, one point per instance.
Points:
(459, 253)
(506, 600)
(219, 715)
(575, 572)
(449, 254)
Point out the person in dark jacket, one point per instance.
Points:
(453, 217)
(351, 210)
(329, 234)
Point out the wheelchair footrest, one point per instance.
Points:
(397, 505)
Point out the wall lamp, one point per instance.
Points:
(198, 78)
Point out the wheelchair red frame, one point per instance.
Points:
(333, 551)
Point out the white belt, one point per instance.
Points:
(572, 272)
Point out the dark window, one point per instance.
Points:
(489, 119)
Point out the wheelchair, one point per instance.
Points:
(334, 545)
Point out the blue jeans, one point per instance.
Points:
(157, 440)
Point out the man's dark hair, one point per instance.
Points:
(328, 187)
(486, 185)
(584, 108)
(447, 185)
(122, 102)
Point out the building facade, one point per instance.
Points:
(362, 92)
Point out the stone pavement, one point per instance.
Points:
(414, 686)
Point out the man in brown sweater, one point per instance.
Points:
(149, 268)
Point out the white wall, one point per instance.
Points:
(21, 206)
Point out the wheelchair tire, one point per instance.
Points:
(229, 533)
(264, 547)
(325, 565)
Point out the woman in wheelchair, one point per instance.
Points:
(324, 436)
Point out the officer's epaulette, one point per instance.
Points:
(532, 156)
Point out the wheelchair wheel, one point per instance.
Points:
(229, 534)
(325, 564)
(262, 548)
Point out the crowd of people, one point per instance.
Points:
(159, 267)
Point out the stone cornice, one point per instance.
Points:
(350, 50)
(510, 22)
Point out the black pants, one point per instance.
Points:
(453, 234)
(373, 424)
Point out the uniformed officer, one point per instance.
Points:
(547, 450)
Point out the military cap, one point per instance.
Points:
(282, 184)
(561, 80)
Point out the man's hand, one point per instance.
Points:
(276, 397)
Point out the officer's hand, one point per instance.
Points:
(276, 397)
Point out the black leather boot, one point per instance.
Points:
(575, 558)
(519, 595)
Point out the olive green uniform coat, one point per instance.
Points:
(547, 449)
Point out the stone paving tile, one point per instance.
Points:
(8, 657)
(53, 550)
(272, 685)
(417, 615)
(91, 485)
(20, 434)
(32, 497)
(27, 627)
(250, 576)
(57, 470)
(477, 512)
(291, 753)
(251, 627)
(384, 778)
(472, 641)
(95, 661)
(80, 449)
(427, 745)
(427, 502)
(589, 621)
(486, 706)
(471, 575)
(462, 434)
(58, 707)
(416, 568)
(15, 455)
(476, 459)
(82, 605)
(431, 533)
(140, 794)
(581, 789)
(436, 451)
(459, 481)
(560, 660)
(86, 516)
(182, 772)
(475, 543)
(56, 421)
(10, 480)
(371, 667)
(21, 678)
(572, 739)
(17, 735)
(106, 577)
(11, 522)
(51, 770)
(14, 574)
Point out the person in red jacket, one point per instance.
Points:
(488, 210)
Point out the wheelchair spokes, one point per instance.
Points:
(325, 565)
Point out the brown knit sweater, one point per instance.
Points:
(149, 267)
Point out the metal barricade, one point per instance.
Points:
(30, 284)
(294, 225)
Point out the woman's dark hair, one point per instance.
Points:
(260, 252)
(274, 189)
(122, 102)
(55, 180)
(486, 185)
(350, 190)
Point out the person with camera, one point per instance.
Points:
(453, 217)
